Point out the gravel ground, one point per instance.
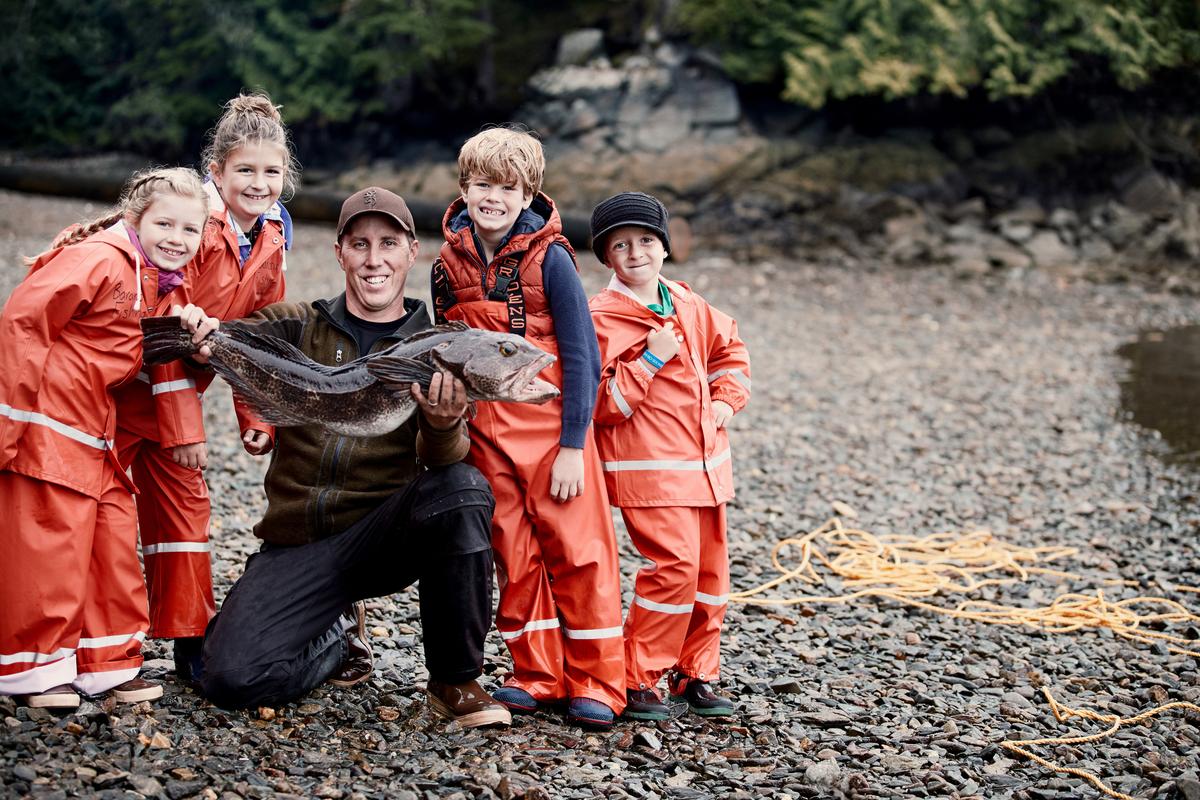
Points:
(921, 401)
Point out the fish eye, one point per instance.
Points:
(508, 349)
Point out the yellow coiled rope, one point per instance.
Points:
(908, 569)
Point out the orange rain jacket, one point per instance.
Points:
(57, 414)
(655, 432)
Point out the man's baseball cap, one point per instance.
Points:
(375, 200)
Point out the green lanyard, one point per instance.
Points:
(664, 307)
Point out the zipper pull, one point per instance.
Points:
(338, 357)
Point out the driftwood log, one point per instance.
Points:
(316, 204)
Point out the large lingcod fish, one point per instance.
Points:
(368, 396)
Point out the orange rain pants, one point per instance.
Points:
(679, 603)
(173, 514)
(79, 616)
(560, 590)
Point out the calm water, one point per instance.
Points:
(1162, 388)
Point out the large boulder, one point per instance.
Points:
(579, 47)
(651, 102)
(1047, 250)
(1147, 191)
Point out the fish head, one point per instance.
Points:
(495, 366)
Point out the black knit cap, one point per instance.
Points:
(628, 208)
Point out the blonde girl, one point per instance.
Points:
(72, 600)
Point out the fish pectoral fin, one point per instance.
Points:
(399, 372)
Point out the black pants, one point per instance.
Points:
(277, 635)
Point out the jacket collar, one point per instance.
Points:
(125, 235)
(335, 313)
(617, 285)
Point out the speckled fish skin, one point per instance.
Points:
(368, 396)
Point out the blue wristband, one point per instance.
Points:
(653, 360)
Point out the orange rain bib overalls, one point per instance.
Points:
(560, 594)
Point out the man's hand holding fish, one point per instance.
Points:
(446, 402)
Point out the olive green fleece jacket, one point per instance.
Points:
(320, 483)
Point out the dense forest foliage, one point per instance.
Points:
(825, 50)
(357, 76)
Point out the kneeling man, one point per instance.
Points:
(350, 518)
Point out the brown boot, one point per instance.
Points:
(360, 661)
(466, 703)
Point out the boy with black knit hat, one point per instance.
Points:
(674, 373)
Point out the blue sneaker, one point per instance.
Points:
(589, 713)
(515, 699)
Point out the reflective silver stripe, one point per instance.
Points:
(111, 641)
(665, 608)
(594, 633)
(54, 425)
(720, 458)
(173, 386)
(712, 599)
(619, 398)
(176, 547)
(36, 658)
(735, 372)
(536, 625)
(677, 466)
(143, 377)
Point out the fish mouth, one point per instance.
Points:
(527, 387)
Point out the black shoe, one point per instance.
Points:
(699, 696)
(189, 658)
(360, 661)
(645, 704)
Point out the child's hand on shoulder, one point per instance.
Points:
(722, 413)
(664, 342)
(566, 476)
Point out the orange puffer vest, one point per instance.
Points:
(514, 277)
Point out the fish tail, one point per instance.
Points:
(164, 339)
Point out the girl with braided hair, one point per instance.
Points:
(72, 599)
